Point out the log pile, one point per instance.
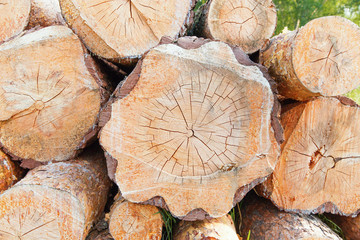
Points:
(192, 128)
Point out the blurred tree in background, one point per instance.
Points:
(296, 13)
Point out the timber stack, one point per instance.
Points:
(192, 129)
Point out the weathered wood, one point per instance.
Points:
(50, 95)
(197, 127)
(214, 229)
(134, 221)
(245, 23)
(265, 221)
(45, 13)
(10, 172)
(14, 17)
(320, 59)
(123, 30)
(318, 166)
(56, 201)
(349, 225)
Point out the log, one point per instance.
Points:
(50, 95)
(320, 59)
(10, 172)
(140, 26)
(197, 125)
(244, 23)
(45, 13)
(56, 201)
(318, 164)
(134, 221)
(265, 221)
(14, 17)
(349, 225)
(214, 229)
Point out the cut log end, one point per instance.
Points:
(140, 26)
(247, 24)
(318, 164)
(14, 17)
(49, 105)
(45, 13)
(135, 221)
(195, 123)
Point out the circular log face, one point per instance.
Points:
(320, 159)
(47, 214)
(45, 110)
(326, 56)
(129, 27)
(190, 124)
(14, 17)
(245, 23)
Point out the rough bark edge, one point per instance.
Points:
(266, 188)
(38, 18)
(90, 137)
(124, 88)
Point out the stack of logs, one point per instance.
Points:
(185, 120)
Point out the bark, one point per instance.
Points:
(247, 24)
(349, 225)
(134, 221)
(10, 172)
(318, 164)
(51, 93)
(14, 18)
(45, 13)
(140, 26)
(195, 128)
(58, 200)
(215, 229)
(265, 221)
(320, 59)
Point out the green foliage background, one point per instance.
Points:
(296, 13)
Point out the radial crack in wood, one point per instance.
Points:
(50, 104)
(245, 23)
(122, 30)
(14, 17)
(135, 221)
(197, 125)
(320, 59)
(56, 201)
(320, 157)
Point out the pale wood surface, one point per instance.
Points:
(14, 16)
(50, 95)
(320, 59)
(56, 201)
(197, 125)
(318, 167)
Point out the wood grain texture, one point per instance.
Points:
(318, 165)
(320, 59)
(45, 13)
(197, 127)
(56, 201)
(50, 95)
(122, 30)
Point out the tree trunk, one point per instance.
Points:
(197, 127)
(214, 229)
(10, 172)
(14, 17)
(349, 225)
(45, 13)
(244, 23)
(50, 95)
(135, 221)
(319, 163)
(122, 31)
(320, 59)
(56, 201)
(265, 221)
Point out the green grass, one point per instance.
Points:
(199, 4)
(169, 223)
(332, 225)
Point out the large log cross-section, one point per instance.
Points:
(194, 130)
